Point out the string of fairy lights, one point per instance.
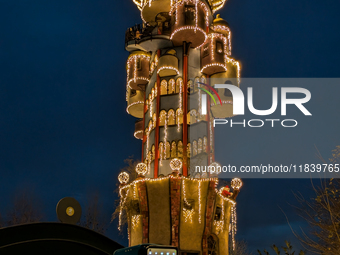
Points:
(215, 5)
(190, 28)
(132, 61)
(188, 210)
(180, 111)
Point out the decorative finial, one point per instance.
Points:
(141, 169)
(123, 178)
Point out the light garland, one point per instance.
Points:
(161, 148)
(194, 148)
(223, 38)
(134, 191)
(133, 58)
(233, 226)
(137, 133)
(147, 144)
(150, 110)
(149, 161)
(196, 15)
(121, 207)
(176, 3)
(132, 104)
(179, 105)
(172, 85)
(135, 220)
(190, 28)
(171, 117)
(187, 213)
(165, 133)
(138, 78)
(164, 87)
(205, 143)
(220, 224)
(224, 29)
(199, 203)
(168, 67)
(214, 64)
(237, 64)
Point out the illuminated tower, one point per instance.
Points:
(173, 52)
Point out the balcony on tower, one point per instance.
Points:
(150, 36)
(138, 134)
(168, 64)
(216, 49)
(138, 70)
(151, 8)
(135, 102)
(189, 21)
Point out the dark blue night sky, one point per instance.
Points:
(64, 130)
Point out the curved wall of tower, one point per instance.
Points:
(177, 48)
(188, 213)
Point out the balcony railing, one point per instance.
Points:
(140, 32)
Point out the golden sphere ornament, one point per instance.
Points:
(236, 183)
(141, 169)
(123, 178)
(176, 164)
(215, 168)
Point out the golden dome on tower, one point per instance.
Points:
(218, 21)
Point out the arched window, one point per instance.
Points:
(191, 117)
(171, 117)
(189, 150)
(173, 150)
(162, 117)
(153, 152)
(152, 94)
(180, 149)
(205, 144)
(179, 116)
(190, 86)
(161, 150)
(154, 119)
(194, 147)
(164, 87)
(179, 85)
(172, 86)
(146, 105)
(155, 89)
(200, 146)
(167, 150)
(150, 126)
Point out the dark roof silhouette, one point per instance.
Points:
(54, 238)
